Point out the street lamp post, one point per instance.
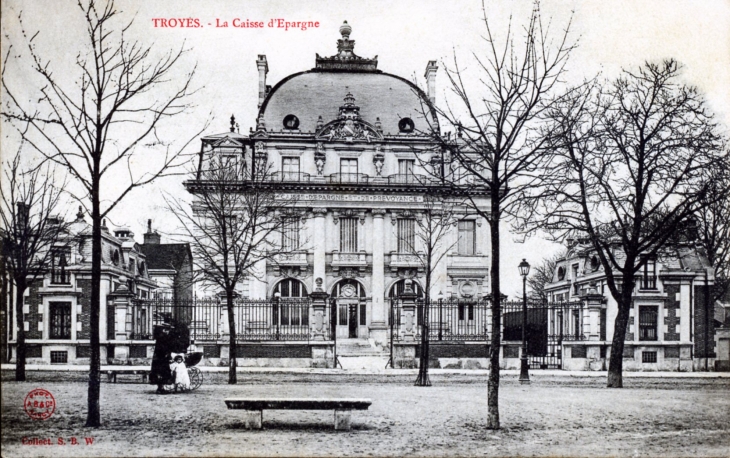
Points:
(524, 375)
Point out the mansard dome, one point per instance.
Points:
(303, 98)
(310, 95)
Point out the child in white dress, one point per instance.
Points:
(180, 373)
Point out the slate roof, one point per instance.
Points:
(166, 255)
(309, 95)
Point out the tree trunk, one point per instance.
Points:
(93, 418)
(423, 379)
(616, 362)
(20, 346)
(496, 338)
(232, 335)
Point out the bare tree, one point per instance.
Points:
(542, 274)
(94, 117)
(632, 165)
(498, 149)
(32, 234)
(712, 226)
(236, 221)
(426, 242)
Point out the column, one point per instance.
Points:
(378, 323)
(319, 239)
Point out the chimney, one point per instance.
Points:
(150, 237)
(263, 67)
(430, 76)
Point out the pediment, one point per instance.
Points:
(348, 130)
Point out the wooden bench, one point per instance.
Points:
(111, 374)
(254, 408)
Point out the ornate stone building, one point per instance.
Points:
(353, 144)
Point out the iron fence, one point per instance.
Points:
(284, 319)
(455, 319)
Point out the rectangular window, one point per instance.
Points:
(648, 356)
(59, 274)
(348, 171)
(348, 235)
(648, 279)
(290, 234)
(290, 168)
(406, 235)
(59, 357)
(60, 320)
(648, 316)
(467, 237)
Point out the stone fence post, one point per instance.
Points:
(408, 312)
(122, 300)
(318, 327)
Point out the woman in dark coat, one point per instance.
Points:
(160, 373)
(170, 337)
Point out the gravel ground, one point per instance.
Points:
(553, 416)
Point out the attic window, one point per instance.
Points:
(115, 257)
(291, 122)
(406, 125)
(561, 273)
(141, 267)
(595, 263)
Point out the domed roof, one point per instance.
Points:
(310, 95)
(321, 91)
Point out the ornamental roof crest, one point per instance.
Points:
(349, 126)
(346, 59)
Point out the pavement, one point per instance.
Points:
(394, 372)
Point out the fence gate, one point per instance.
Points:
(549, 325)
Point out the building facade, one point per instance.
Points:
(56, 309)
(671, 327)
(351, 146)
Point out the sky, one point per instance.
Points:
(612, 35)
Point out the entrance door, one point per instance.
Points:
(352, 321)
(347, 318)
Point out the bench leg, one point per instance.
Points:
(342, 419)
(254, 419)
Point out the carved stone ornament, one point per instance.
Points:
(378, 160)
(320, 158)
(348, 126)
(360, 214)
(348, 272)
(348, 291)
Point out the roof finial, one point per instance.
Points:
(80, 214)
(345, 30)
(233, 123)
(149, 225)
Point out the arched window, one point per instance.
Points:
(289, 308)
(290, 288)
(399, 286)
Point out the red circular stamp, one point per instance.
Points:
(39, 404)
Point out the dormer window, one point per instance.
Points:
(406, 126)
(648, 277)
(561, 273)
(59, 275)
(291, 122)
(595, 263)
